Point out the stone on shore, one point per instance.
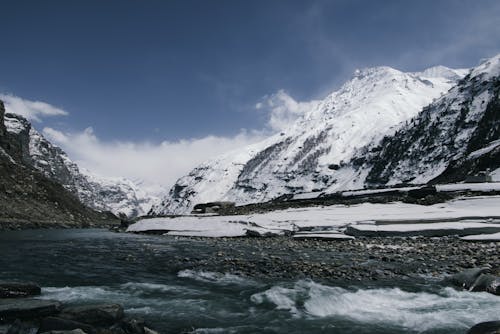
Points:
(11, 309)
(74, 331)
(488, 283)
(19, 327)
(477, 279)
(59, 324)
(466, 278)
(490, 327)
(18, 289)
(95, 315)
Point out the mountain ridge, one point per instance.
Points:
(373, 104)
(118, 195)
(28, 199)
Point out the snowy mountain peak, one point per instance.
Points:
(443, 72)
(374, 103)
(452, 138)
(489, 68)
(376, 71)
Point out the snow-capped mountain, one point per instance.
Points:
(455, 136)
(117, 195)
(30, 200)
(312, 154)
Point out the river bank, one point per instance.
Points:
(371, 259)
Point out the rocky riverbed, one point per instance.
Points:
(347, 260)
(246, 285)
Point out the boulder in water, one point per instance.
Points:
(466, 278)
(18, 289)
(59, 324)
(96, 315)
(490, 327)
(74, 331)
(488, 283)
(11, 309)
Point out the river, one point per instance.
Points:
(89, 266)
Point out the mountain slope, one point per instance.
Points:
(308, 156)
(29, 199)
(456, 136)
(117, 195)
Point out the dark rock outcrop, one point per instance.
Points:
(3, 130)
(96, 315)
(11, 309)
(31, 316)
(28, 199)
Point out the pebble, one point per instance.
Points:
(363, 258)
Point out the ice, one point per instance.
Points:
(323, 235)
(482, 237)
(452, 226)
(486, 186)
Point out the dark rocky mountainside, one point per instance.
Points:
(29, 199)
(453, 138)
(118, 195)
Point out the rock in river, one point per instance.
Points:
(59, 324)
(27, 308)
(490, 327)
(18, 289)
(477, 279)
(96, 315)
(466, 278)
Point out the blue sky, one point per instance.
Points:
(153, 72)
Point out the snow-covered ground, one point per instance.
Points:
(465, 227)
(485, 187)
(335, 218)
(483, 237)
(495, 175)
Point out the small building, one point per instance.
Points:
(212, 207)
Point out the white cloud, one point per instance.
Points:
(32, 110)
(157, 165)
(283, 109)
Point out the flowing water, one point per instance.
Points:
(89, 266)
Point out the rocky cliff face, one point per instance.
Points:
(320, 151)
(117, 195)
(2, 115)
(29, 199)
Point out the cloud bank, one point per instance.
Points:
(31, 110)
(158, 166)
